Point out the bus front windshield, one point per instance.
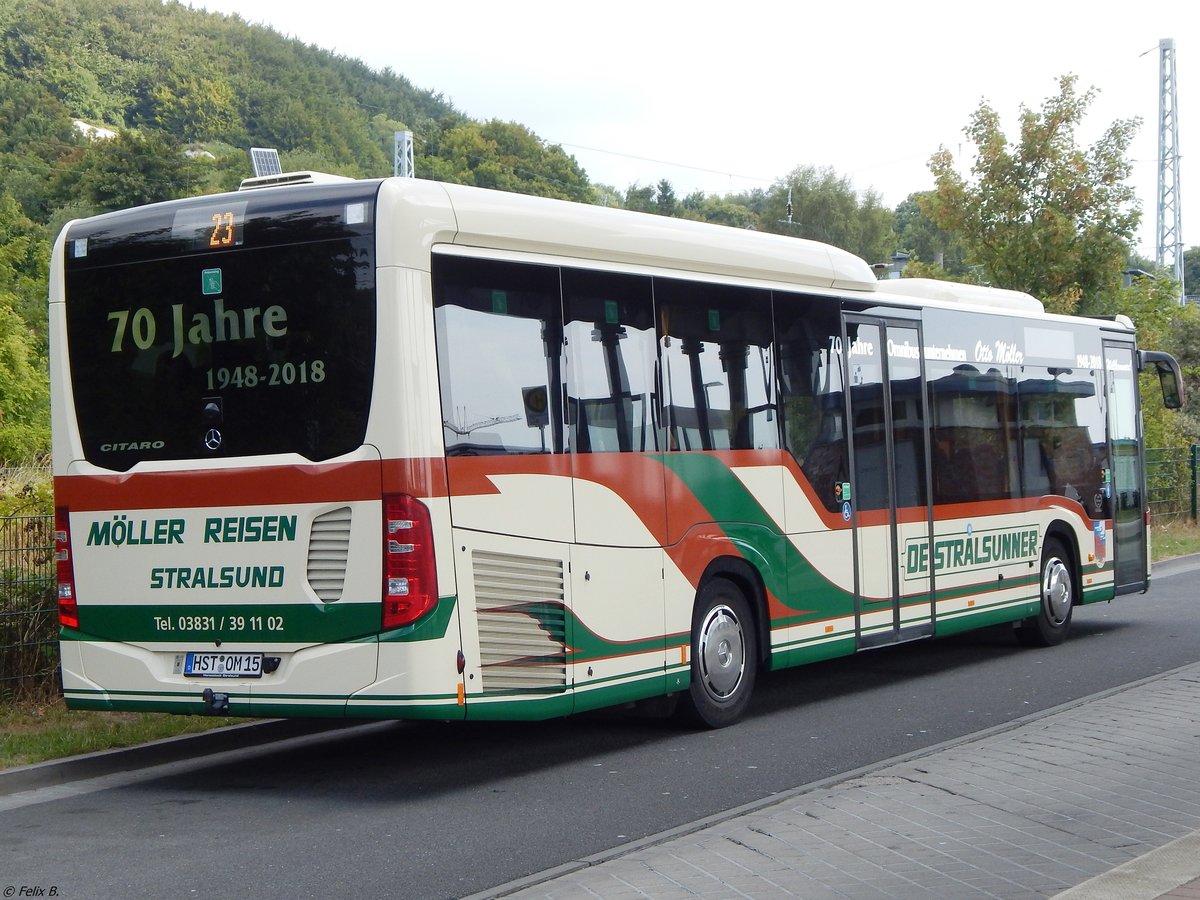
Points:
(224, 326)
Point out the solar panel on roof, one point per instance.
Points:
(265, 161)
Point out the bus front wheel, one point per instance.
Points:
(724, 655)
(1055, 602)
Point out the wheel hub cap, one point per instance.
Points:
(1056, 590)
(722, 652)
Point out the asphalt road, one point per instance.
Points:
(436, 810)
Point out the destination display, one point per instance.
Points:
(260, 342)
(215, 227)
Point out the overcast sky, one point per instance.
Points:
(727, 97)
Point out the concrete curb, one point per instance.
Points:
(1145, 878)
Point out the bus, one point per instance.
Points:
(401, 449)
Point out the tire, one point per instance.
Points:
(724, 656)
(1056, 599)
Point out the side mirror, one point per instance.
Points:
(1168, 375)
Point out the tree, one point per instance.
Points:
(132, 169)
(918, 235)
(24, 392)
(195, 106)
(640, 199)
(659, 199)
(1137, 261)
(717, 210)
(607, 195)
(24, 400)
(821, 205)
(1041, 215)
(24, 260)
(504, 156)
(665, 200)
(1184, 342)
(1162, 324)
(1191, 271)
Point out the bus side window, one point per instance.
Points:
(499, 346)
(717, 348)
(611, 356)
(974, 433)
(812, 398)
(1063, 436)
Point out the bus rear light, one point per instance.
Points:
(68, 608)
(409, 570)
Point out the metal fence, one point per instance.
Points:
(1171, 484)
(29, 609)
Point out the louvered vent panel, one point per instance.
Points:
(328, 548)
(522, 622)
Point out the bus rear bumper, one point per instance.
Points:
(309, 681)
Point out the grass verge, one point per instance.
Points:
(35, 732)
(1174, 539)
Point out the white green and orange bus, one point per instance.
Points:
(396, 448)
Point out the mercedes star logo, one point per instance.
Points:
(212, 440)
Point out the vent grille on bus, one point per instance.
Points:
(522, 622)
(268, 181)
(328, 548)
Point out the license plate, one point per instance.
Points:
(223, 665)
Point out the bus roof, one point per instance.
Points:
(475, 217)
(498, 220)
(966, 294)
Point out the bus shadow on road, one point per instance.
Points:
(413, 761)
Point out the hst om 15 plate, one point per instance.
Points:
(220, 665)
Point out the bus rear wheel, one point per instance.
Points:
(724, 656)
(1056, 599)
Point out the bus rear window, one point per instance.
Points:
(257, 341)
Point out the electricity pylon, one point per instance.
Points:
(1169, 253)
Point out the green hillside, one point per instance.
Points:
(177, 78)
(106, 104)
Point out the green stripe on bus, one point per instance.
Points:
(786, 573)
(718, 489)
(260, 624)
(813, 650)
(968, 620)
(1100, 593)
(242, 703)
(432, 627)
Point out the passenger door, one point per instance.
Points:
(1127, 478)
(887, 499)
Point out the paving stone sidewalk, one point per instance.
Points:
(1074, 799)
